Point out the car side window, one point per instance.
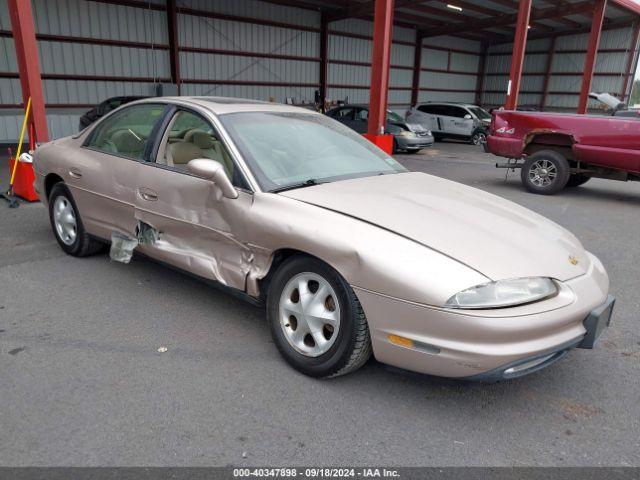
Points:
(457, 112)
(127, 132)
(344, 114)
(427, 109)
(190, 136)
(363, 115)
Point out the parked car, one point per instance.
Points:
(452, 120)
(408, 137)
(349, 252)
(103, 108)
(558, 150)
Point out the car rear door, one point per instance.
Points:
(195, 227)
(429, 118)
(102, 174)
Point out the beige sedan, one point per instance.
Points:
(350, 253)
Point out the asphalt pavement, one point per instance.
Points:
(82, 381)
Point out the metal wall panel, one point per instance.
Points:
(453, 42)
(256, 9)
(279, 94)
(198, 66)
(567, 86)
(211, 33)
(365, 27)
(82, 18)
(425, 96)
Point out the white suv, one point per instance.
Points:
(452, 120)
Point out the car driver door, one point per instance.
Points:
(195, 227)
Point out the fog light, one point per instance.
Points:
(527, 365)
(402, 341)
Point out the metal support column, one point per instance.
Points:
(517, 59)
(547, 74)
(24, 38)
(174, 46)
(482, 65)
(380, 63)
(592, 53)
(324, 63)
(417, 65)
(629, 70)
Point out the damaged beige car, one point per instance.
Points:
(350, 253)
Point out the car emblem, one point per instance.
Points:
(573, 260)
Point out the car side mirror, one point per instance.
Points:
(468, 116)
(214, 171)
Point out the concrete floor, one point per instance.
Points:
(82, 383)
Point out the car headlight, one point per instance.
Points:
(504, 293)
(407, 133)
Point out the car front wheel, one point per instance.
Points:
(67, 224)
(478, 138)
(545, 172)
(316, 321)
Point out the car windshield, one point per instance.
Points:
(286, 150)
(394, 117)
(480, 113)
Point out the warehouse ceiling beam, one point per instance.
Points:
(592, 53)
(517, 59)
(24, 39)
(509, 19)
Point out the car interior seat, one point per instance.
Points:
(127, 143)
(211, 148)
(180, 153)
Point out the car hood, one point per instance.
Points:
(494, 236)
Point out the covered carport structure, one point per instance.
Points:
(539, 54)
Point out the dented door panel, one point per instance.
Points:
(196, 226)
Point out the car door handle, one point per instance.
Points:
(147, 194)
(75, 173)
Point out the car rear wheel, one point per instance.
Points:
(577, 179)
(545, 172)
(316, 320)
(67, 224)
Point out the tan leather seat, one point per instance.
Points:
(181, 153)
(127, 142)
(211, 148)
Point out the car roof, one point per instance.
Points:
(222, 105)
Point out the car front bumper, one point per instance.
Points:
(414, 143)
(489, 344)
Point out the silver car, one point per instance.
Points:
(452, 120)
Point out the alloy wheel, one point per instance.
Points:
(543, 173)
(64, 219)
(309, 314)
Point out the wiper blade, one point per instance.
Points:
(307, 183)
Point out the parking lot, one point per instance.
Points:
(82, 381)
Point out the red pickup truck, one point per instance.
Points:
(556, 150)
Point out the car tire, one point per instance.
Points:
(395, 149)
(478, 138)
(67, 225)
(341, 349)
(545, 172)
(577, 179)
(411, 152)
